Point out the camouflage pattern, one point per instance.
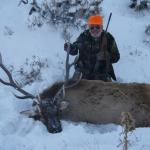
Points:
(95, 55)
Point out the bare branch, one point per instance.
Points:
(23, 1)
(67, 64)
(35, 4)
(1, 59)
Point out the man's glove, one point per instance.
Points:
(66, 45)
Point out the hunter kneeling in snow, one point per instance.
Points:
(97, 51)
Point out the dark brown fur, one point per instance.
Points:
(103, 102)
(52, 90)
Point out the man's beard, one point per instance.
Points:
(95, 34)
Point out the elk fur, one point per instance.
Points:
(101, 102)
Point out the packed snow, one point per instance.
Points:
(18, 42)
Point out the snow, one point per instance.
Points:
(18, 42)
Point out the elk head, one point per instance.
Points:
(50, 114)
(46, 108)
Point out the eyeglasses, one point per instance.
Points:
(95, 27)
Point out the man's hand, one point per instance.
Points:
(66, 46)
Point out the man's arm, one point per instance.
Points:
(76, 45)
(113, 49)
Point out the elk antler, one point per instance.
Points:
(12, 83)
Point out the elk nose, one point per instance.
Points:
(57, 130)
(54, 126)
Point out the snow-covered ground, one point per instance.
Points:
(18, 42)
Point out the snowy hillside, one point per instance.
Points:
(18, 42)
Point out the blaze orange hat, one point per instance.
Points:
(95, 20)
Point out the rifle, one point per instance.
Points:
(104, 48)
(108, 22)
(106, 56)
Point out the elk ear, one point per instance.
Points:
(63, 105)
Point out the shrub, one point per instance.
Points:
(62, 12)
(140, 5)
(147, 32)
(30, 71)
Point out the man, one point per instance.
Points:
(97, 51)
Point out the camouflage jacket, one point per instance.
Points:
(102, 50)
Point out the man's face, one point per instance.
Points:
(96, 30)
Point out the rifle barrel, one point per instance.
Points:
(108, 21)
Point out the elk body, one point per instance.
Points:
(95, 101)
(92, 101)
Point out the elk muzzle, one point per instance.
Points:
(50, 114)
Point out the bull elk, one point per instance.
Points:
(92, 101)
(95, 101)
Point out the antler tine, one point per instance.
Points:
(75, 61)
(13, 83)
(38, 103)
(24, 97)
